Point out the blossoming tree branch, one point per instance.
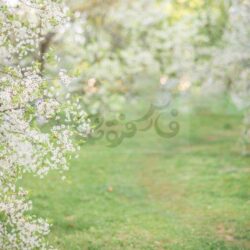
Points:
(29, 96)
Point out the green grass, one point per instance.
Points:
(188, 192)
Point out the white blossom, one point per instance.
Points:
(28, 94)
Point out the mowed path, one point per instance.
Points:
(190, 192)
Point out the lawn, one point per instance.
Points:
(188, 192)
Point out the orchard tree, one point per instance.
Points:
(230, 60)
(31, 95)
(117, 50)
(116, 46)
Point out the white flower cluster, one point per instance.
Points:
(27, 96)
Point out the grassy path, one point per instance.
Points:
(191, 192)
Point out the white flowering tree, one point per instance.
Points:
(31, 94)
(116, 48)
(227, 68)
